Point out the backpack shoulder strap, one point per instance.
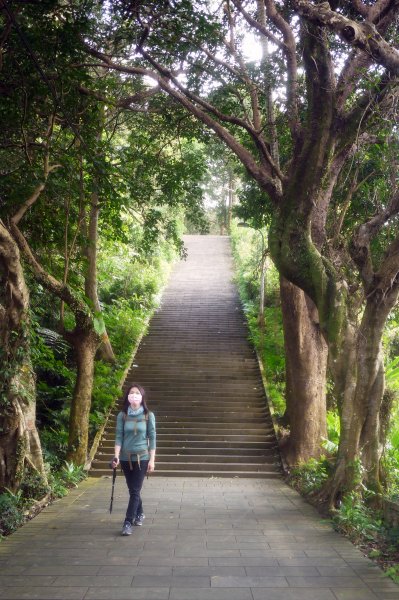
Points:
(146, 426)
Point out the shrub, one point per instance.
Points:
(309, 477)
(11, 516)
(356, 520)
(33, 486)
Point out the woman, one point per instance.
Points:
(135, 442)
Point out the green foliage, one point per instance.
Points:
(55, 441)
(390, 461)
(15, 508)
(393, 573)
(309, 477)
(72, 474)
(11, 516)
(333, 426)
(269, 342)
(392, 374)
(356, 520)
(333, 430)
(33, 486)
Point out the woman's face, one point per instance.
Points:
(135, 398)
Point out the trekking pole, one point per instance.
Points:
(113, 488)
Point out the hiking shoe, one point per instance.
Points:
(127, 528)
(138, 521)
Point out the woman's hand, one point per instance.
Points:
(151, 466)
(115, 462)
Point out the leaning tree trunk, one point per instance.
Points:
(19, 440)
(306, 363)
(85, 344)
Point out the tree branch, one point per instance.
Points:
(387, 276)
(289, 49)
(266, 177)
(360, 245)
(47, 169)
(361, 35)
(232, 47)
(356, 64)
(28, 203)
(122, 102)
(361, 8)
(81, 311)
(380, 9)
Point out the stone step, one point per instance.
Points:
(187, 414)
(223, 393)
(274, 473)
(189, 439)
(163, 426)
(193, 377)
(185, 411)
(169, 451)
(235, 421)
(102, 461)
(210, 445)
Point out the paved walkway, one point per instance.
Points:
(203, 539)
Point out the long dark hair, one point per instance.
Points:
(126, 402)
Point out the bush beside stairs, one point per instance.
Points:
(202, 376)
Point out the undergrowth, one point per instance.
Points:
(18, 507)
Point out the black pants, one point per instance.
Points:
(134, 480)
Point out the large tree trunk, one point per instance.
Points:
(19, 441)
(306, 363)
(85, 344)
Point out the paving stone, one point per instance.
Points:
(281, 571)
(289, 594)
(42, 593)
(127, 593)
(176, 561)
(336, 571)
(253, 582)
(351, 594)
(22, 580)
(171, 581)
(206, 552)
(314, 561)
(328, 582)
(243, 561)
(208, 571)
(57, 569)
(12, 570)
(210, 594)
(93, 580)
(386, 585)
(272, 553)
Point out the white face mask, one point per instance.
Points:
(135, 398)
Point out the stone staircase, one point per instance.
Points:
(202, 377)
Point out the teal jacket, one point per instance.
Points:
(131, 435)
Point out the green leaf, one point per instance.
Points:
(99, 325)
